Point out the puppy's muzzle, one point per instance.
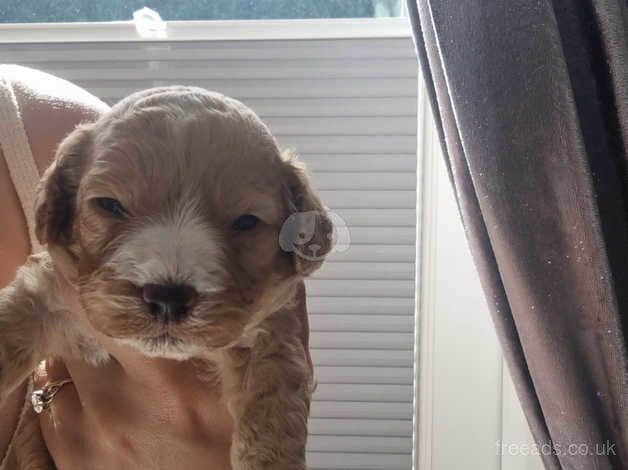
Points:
(169, 303)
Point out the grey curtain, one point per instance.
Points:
(531, 103)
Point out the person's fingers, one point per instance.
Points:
(65, 409)
(94, 383)
(67, 441)
(62, 424)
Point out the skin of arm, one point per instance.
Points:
(50, 109)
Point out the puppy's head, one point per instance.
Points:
(168, 215)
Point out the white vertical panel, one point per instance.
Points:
(467, 405)
(517, 447)
(461, 383)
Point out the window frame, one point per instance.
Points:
(218, 30)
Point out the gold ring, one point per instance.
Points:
(42, 397)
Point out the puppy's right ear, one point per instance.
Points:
(55, 204)
(307, 232)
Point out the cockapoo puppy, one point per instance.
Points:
(168, 216)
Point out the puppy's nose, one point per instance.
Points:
(169, 302)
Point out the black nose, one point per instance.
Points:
(169, 302)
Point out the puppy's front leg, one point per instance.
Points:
(269, 398)
(24, 329)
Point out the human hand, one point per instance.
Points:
(137, 412)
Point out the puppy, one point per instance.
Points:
(166, 215)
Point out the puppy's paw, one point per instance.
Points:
(89, 350)
(96, 356)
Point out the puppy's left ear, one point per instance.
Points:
(55, 204)
(311, 231)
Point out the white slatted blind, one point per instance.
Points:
(348, 106)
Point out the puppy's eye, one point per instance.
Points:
(110, 205)
(245, 222)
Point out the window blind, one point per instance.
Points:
(348, 108)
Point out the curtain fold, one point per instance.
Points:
(530, 99)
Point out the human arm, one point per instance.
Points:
(50, 108)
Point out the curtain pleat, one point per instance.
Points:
(530, 101)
